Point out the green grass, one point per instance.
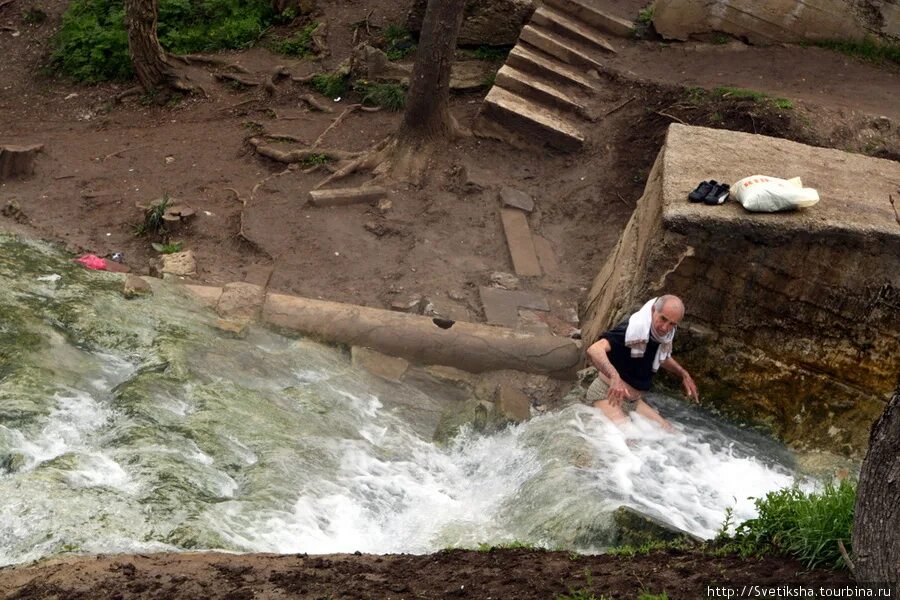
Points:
(168, 248)
(645, 595)
(92, 44)
(299, 44)
(398, 42)
(331, 84)
(645, 16)
(652, 546)
(698, 95)
(580, 595)
(486, 547)
(736, 92)
(315, 159)
(391, 96)
(153, 218)
(869, 50)
(804, 526)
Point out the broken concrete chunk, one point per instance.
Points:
(513, 198)
(521, 246)
(513, 404)
(507, 281)
(179, 263)
(136, 286)
(387, 367)
(501, 307)
(409, 304)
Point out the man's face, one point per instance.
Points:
(666, 319)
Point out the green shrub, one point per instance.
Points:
(807, 527)
(398, 42)
(645, 16)
(299, 44)
(391, 96)
(331, 84)
(92, 43)
(869, 49)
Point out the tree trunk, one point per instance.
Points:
(427, 115)
(147, 55)
(876, 521)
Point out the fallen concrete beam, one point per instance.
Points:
(467, 346)
(345, 196)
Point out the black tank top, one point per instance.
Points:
(636, 372)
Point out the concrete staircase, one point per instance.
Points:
(540, 95)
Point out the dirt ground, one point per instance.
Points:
(499, 575)
(441, 241)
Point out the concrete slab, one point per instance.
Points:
(345, 196)
(546, 255)
(521, 247)
(501, 307)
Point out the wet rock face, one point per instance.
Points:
(492, 23)
(791, 317)
(776, 21)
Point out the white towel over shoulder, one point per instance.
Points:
(638, 334)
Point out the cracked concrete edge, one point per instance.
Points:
(470, 347)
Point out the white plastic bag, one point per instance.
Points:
(761, 193)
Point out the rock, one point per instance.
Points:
(18, 161)
(12, 210)
(774, 21)
(476, 178)
(387, 367)
(409, 304)
(206, 294)
(12, 462)
(457, 295)
(181, 264)
(384, 205)
(513, 404)
(481, 416)
(241, 301)
(236, 328)
(796, 329)
(488, 22)
(504, 280)
(513, 198)
(136, 286)
(633, 528)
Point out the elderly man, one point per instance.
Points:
(628, 356)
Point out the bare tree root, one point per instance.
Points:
(316, 104)
(305, 79)
(283, 137)
(277, 73)
(365, 161)
(335, 123)
(299, 155)
(236, 78)
(132, 91)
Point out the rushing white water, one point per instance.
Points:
(151, 430)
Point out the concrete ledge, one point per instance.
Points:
(467, 346)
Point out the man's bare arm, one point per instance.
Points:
(597, 353)
(690, 388)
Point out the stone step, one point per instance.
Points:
(525, 85)
(586, 12)
(529, 61)
(555, 20)
(531, 121)
(554, 45)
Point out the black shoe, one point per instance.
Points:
(717, 195)
(701, 191)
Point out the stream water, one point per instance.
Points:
(138, 426)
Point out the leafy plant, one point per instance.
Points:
(645, 16)
(316, 159)
(299, 44)
(805, 526)
(331, 84)
(153, 217)
(398, 42)
(391, 96)
(868, 49)
(167, 248)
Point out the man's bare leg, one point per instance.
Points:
(613, 413)
(647, 411)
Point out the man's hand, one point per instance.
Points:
(618, 391)
(690, 388)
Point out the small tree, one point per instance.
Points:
(876, 520)
(151, 63)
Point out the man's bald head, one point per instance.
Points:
(668, 310)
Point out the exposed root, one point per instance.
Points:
(277, 73)
(235, 78)
(316, 104)
(190, 59)
(335, 123)
(304, 79)
(132, 91)
(365, 161)
(299, 155)
(283, 137)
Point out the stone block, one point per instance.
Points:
(513, 404)
(180, 264)
(136, 286)
(501, 307)
(521, 246)
(513, 198)
(208, 295)
(386, 367)
(241, 301)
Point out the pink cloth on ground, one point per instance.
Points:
(92, 261)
